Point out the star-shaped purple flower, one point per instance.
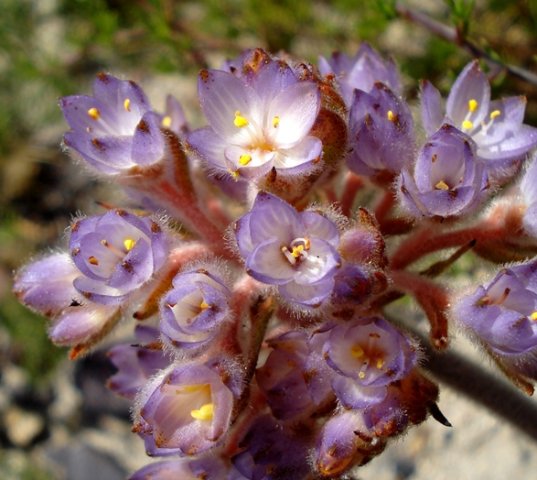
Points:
(258, 121)
(495, 126)
(294, 250)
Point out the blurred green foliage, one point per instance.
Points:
(52, 48)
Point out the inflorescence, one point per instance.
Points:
(256, 280)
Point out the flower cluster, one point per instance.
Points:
(262, 348)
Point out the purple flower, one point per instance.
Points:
(502, 315)
(46, 285)
(116, 253)
(189, 409)
(258, 121)
(194, 309)
(344, 442)
(495, 126)
(136, 363)
(295, 377)
(368, 354)
(270, 451)
(115, 129)
(448, 180)
(360, 72)
(294, 250)
(381, 132)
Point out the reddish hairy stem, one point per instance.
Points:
(424, 241)
(384, 206)
(432, 298)
(353, 183)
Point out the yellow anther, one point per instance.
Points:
(275, 121)
(166, 121)
(204, 305)
(205, 412)
(193, 389)
(127, 104)
(533, 316)
(297, 251)
(234, 174)
(357, 351)
(380, 363)
(494, 114)
(94, 113)
(441, 185)
(93, 260)
(361, 375)
(391, 116)
(472, 105)
(239, 121)
(467, 125)
(245, 159)
(129, 243)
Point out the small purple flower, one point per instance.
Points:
(115, 129)
(270, 451)
(189, 409)
(368, 354)
(258, 121)
(295, 377)
(448, 180)
(344, 442)
(502, 315)
(136, 364)
(46, 285)
(194, 309)
(495, 126)
(116, 253)
(294, 250)
(381, 132)
(360, 72)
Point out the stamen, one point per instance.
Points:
(467, 125)
(391, 116)
(129, 243)
(276, 121)
(533, 316)
(205, 412)
(380, 363)
(166, 121)
(361, 375)
(234, 174)
(240, 121)
(472, 105)
(204, 305)
(297, 251)
(495, 114)
(245, 159)
(441, 185)
(94, 113)
(93, 260)
(127, 104)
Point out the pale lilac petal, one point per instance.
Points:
(148, 143)
(307, 295)
(297, 108)
(268, 264)
(431, 108)
(472, 83)
(274, 219)
(319, 226)
(209, 147)
(299, 157)
(221, 95)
